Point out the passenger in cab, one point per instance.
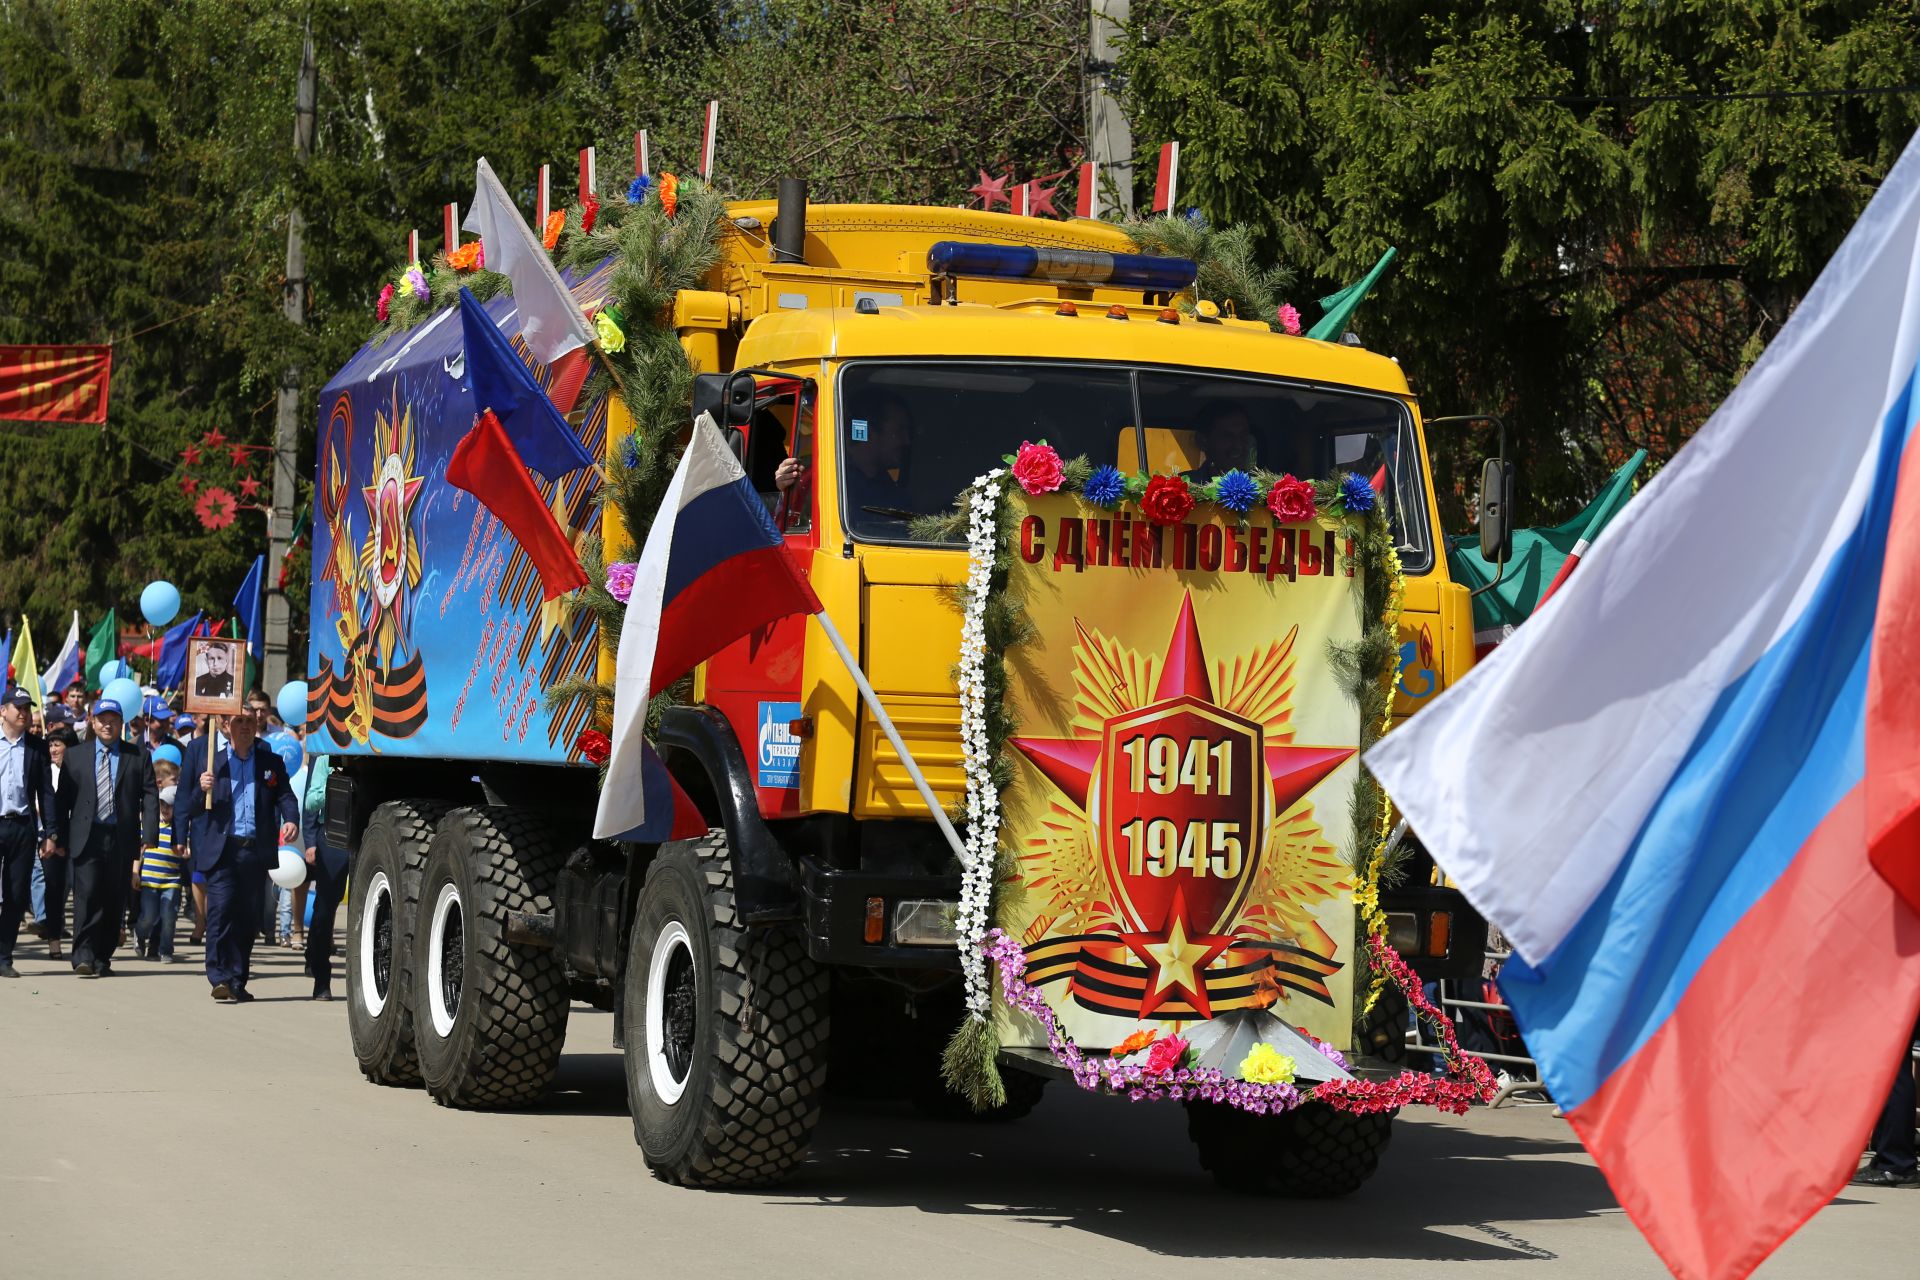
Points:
(1226, 438)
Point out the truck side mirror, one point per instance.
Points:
(727, 396)
(1496, 510)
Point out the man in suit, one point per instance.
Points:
(116, 813)
(234, 842)
(30, 819)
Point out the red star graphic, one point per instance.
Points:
(237, 455)
(1069, 762)
(988, 190)
(191, 455)
(249, 486)
(1040, 200)
(1175, 961)
(214, 438)
(189, 485)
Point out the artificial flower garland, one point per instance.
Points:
(983, 796)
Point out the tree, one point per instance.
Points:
(1602, 212)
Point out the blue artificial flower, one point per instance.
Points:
(1356, 495)
(630, 451)
(1196, 217)
(1105, 487)
(637, 189)
(1236, 491)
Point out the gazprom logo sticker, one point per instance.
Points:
(779, 749)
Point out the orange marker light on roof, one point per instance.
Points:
(1066, 309)
(1169, 316)
(1116, 312)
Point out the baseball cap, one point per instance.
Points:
(183, 723)
(156, 708)
(57, 713)
(20, 698)
(104, 705)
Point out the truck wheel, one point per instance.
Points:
(726, 1028)
(490, 1015)
(380, 906)
(1312, 1152)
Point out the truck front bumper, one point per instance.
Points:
(879, 920)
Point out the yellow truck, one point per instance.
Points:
(868, 364)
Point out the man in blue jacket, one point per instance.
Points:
(235, 842)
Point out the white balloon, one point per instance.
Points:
(292, 871)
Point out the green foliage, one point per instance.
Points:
(1233, 270)
(1598, 271)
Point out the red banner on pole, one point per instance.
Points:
(55, 384)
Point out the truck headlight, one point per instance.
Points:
(1403, 932)
(926, 922)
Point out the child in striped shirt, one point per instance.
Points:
(159, 875)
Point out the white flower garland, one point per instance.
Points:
(983, 798)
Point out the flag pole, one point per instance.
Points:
(893, 735)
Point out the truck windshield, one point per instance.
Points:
(913, 435)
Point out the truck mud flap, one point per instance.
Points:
(766, 887)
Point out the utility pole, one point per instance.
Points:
(286, 426)
(1109, 140)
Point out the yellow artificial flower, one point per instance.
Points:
(1266, 1065)
(612, 338)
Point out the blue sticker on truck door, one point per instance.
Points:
(779, 749)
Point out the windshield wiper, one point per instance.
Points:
(893, 513)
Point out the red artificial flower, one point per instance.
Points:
(1166, 1055)
(594, 745)
(589, 210)
(215, 508)
(1167, 500)
(556, 221)
(1291, 500)
(1037, 467)
(385, 303)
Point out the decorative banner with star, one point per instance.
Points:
(1186, 756)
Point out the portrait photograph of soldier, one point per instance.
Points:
(213, 679)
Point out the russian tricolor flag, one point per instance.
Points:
(714, 569)
(1689, 789)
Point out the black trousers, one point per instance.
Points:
(235, 890)
(326, 889)
(19, 846)
(1893, 1135)
(100, 893)
(57, 871)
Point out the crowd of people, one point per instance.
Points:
(142, 823)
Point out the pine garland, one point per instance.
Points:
(1230, 267)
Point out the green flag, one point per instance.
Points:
(103, 646)
(253, 668)
(1339, 307)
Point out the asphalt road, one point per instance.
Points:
(145, 1130)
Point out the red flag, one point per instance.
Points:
(486, 465)
(55, 384)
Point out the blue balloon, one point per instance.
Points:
(288, 748)
(291, 702)
(159, 603)
(168, 752)
(126, 693)
(114, 669)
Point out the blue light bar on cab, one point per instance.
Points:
(1074, 266)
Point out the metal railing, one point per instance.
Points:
(1511, 1086)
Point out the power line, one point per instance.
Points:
(1596, 99)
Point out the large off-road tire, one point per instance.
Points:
(490, 1016)
(380, 910)
(1311, 1152)
(727, 1028)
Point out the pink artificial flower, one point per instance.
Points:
(1289, 318)
(385, 304)
(1037, 467)
(620, 581)
(1166, 1055)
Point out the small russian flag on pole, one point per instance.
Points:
(1166, 185)
(706, 144)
